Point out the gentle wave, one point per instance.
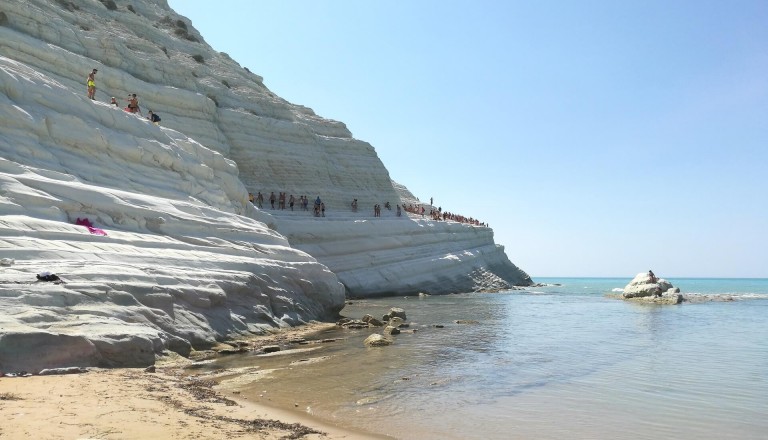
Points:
(722, 297)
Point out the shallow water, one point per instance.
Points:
(548, 363)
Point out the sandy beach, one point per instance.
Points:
(164, 404)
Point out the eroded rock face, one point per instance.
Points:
(35, 351)
(645, 288)
(391, 330)
(186, 260)
(643, 285)
(406, 256)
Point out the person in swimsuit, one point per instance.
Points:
(133, 104)
(154, 118)
(91, 82)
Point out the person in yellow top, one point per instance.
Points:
(91, 81)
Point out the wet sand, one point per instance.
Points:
(165, 404)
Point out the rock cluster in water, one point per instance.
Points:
(645, 287)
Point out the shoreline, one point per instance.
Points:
(130, 403)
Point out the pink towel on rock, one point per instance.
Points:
(87, 223)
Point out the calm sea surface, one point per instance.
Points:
(556, 362)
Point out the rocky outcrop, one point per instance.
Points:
(186, 260)
(406, 256)
(395, 312)
(377, 340)
(647, 288)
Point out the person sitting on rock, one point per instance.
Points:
(114, 102)
(133, 104)
(652, 277)
(153, 118)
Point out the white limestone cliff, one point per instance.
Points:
(186, 260)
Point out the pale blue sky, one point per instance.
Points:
(598, 138)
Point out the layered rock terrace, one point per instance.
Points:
(186, 261)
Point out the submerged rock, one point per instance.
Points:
(397, 312)
(394, 312)
(390, 330)
(377, 340)
(371, 321)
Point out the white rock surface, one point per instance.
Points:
(186, 260)
(643, 286)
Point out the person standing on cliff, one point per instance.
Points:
(272, 199)
(91, 82)
(260, 199)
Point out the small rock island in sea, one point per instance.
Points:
(646, 287)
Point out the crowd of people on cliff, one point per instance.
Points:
(439, 214)
(303, 202)
(282, 200)
(132, 101)
(281, 197)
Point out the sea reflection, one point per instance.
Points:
(543, 366)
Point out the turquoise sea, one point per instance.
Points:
(562, 361)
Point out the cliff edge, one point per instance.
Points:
(176, 257)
